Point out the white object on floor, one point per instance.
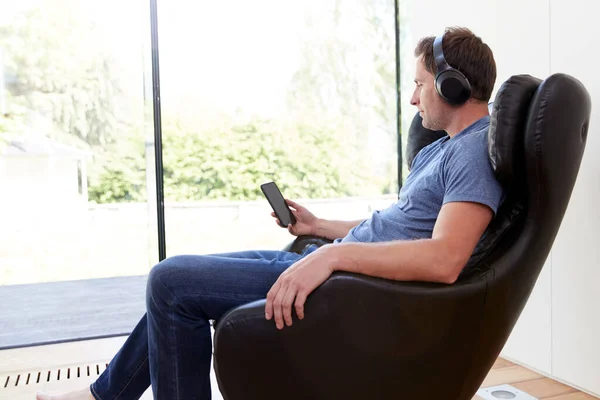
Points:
(504, 392)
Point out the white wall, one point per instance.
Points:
(28, 178)
(575, 274)
(558, 331)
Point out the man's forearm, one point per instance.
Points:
(335, 229)
(409, 260)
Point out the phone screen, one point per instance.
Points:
(275, 198)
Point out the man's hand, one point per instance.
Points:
(306, 222)
(296, 283)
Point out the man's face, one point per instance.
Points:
(432, 108)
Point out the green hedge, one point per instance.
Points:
(232, 163)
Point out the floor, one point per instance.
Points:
(54, 312)
(536, 385)
(59, 368)
(68, 366)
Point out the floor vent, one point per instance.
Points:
(51, 375)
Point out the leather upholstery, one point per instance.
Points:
(507, 123)
(302, 242)
(506, 150)
(370, 338)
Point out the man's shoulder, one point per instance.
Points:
(474, 143)
(471, 143)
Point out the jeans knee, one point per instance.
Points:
(158, 281)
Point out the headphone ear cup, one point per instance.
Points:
(453, 86)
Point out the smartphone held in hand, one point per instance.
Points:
(277, 202)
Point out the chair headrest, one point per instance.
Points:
(507, 127)
(509, 112)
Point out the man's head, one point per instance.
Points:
(468, 54)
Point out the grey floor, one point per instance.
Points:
(63, 311)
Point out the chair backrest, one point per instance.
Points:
(533, 124)
(537, 137)
(553, 143)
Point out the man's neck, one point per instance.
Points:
(468, 114)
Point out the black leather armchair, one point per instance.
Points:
(370, 338)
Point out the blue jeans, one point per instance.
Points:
(171, 346)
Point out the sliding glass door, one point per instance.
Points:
(76, 161)
(302, 93)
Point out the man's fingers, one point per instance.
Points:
(269, 306)
(270, 300)
(299, 304)
(288, 300)
(277, 307)
(293, 204)
(276, 219)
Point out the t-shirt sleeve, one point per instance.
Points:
(468, 176)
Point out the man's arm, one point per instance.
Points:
(308, 224)
(458, 228)
(332, 229)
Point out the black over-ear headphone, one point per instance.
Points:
(451, 84)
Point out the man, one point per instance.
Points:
(447, 202)
(452, 176)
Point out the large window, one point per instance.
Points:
(76, 153)
(299, 92)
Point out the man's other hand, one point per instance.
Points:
(296, 283)
(306, 222)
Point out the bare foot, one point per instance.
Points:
(83, 394)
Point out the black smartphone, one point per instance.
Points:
(277, 202)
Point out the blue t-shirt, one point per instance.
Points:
(447, 170)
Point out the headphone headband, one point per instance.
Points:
(438, 55)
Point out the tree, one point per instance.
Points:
(231, 163)
(10, 122)
(57, 67)
(348, 75)
(118, 174)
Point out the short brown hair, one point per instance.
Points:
(468, 54)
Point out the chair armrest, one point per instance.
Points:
(300, 243)
(356, 328)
